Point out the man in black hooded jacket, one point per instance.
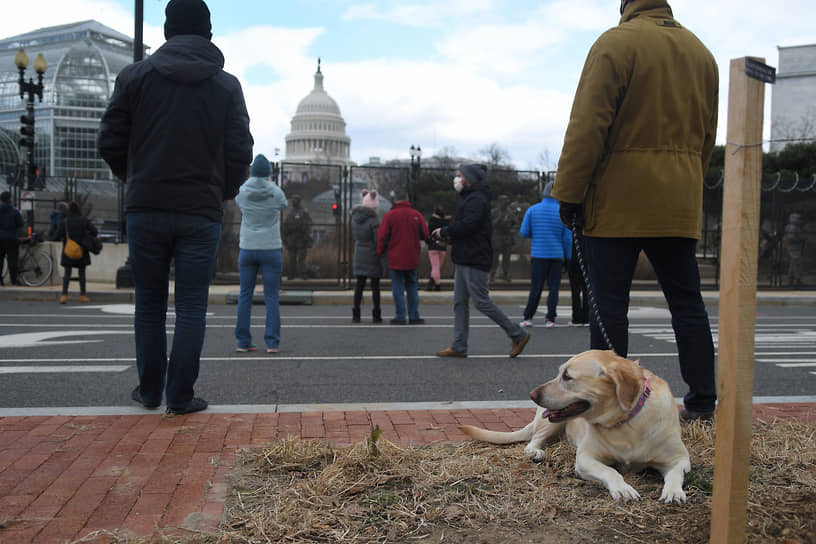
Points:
(176, 131)
(470, 234)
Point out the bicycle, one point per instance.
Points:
(34, 265)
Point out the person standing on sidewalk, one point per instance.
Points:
(437, 248)
(367, 264)
(639, 139)
(261, 202)
(11, 220)
(398, 236)
(551, 246)
(74, 226)
(469, 233)
(176, 131)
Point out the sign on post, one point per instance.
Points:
(27, 201)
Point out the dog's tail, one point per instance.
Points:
(499, 437)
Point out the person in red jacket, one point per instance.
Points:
(398, 236)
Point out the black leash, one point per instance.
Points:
(580, 253)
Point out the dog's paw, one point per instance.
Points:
(676, 496)
(624, 492)
(536, 455)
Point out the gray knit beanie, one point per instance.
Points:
(260, 167)
(473, 172)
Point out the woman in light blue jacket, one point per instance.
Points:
(260, 201)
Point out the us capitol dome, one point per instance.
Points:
(318, 131)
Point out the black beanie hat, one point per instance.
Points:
(187, 17)
(260, 167)
(473, 172)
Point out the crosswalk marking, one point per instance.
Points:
(61, 369)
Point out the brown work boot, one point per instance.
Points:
(518, 347)
(83, 298)
(63, 299)
(448, 352)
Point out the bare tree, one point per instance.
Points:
(496, 156)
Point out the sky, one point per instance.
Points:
(451, 76)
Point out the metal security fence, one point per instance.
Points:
(787, 230)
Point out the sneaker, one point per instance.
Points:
(195, 405)
(549, 324)
(251, 347)
(398, 322)
(137, 396)
(63, 299)
(448, 352)
(687, 416)
(83, 298)
(527, 323)
(417, 321)
(271, 350)
(575, 324)
(518, 347)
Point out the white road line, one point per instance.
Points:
(786, 360)
(61, 369)
(795, 365)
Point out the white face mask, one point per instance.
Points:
(458, 184)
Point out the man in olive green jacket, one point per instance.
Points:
(640, 136)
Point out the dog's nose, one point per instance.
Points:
(534, 395)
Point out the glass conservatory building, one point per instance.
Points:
(83, 61)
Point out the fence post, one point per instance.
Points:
(738, 277)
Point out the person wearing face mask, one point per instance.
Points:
(469, 233)
(640, 137)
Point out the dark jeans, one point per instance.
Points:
(580, 303)
(66, 278)
(612, 264)
(542, 270)
(191, 242)
(375, 291)
(10, 250)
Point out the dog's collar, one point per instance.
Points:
(639, 406)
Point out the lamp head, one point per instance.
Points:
(21, 59)
(40, 65)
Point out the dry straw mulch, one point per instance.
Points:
(309, 492)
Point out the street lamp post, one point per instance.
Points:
(31, 89)
(416, 157)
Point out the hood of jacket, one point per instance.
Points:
(361, 214)
(187, 58)
(258, 189)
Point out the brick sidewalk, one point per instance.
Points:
(62, 478)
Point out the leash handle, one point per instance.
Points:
(580, 253)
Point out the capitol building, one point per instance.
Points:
(318, 130)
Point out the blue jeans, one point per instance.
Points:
(402, 282)
(270, 263)
(540, 270)
(612, 264)
(191, 242)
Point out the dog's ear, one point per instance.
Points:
(627, 378)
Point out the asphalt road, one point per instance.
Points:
(83, 356)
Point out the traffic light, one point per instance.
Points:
(27, 130)
(336, 209)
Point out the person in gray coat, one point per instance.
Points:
(367, 264)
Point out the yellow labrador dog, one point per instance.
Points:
(614, 412)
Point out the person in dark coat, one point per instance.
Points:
(367, 264)
(437, 248)
(74, 226)
(176, 131)
(57, 216)
(10, 221)
(470, 233)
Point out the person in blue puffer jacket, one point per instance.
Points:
(260, 201)
(551, 246)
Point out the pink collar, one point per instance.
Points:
(639, 406)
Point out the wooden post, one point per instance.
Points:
(738, 274)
